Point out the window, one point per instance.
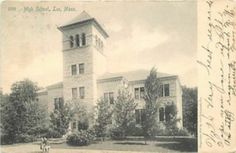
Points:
(74, 93)
(61, 102)
(142, 92)
(161, 114)
(71, 41)
(139, 115)
(161, 91)
(77, 40)
(136, 93)
(81, 68)
(111, 97)
(73, 125)
(83, 125)
(56, 103)
(81, 92)
(167, 90)
(83, 39)
(106, 96)
(164, 90)
(73, 69)
(139, 93)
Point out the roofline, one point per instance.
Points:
(42, 93)
(55, 86)
(85, 21)
(109, 79)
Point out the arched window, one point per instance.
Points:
(71, 41)
(161, 114)
(77, 40)
(83, 39)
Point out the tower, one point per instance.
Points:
(84, 42)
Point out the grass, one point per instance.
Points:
(159, 145)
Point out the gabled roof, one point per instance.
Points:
(84, 17)
(133, 75)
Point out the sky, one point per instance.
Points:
(141, 35)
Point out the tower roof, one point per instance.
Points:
(83, 18)
(80, 18)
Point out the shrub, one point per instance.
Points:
(53, 134)
(6, 139)
(136, 131)
(117, 133)
(177, 132)
(80, 138)
(25, 138)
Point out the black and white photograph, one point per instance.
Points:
(102, 76)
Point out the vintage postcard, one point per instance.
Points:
(118, 76)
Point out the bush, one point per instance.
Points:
(177, 132)
(25, 138)
(5, 139)
(117, 133)
(135, 131)
(53, 134)
(80, 138)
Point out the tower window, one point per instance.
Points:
(83, 39)
(73, 69)
(77, 40)
(74, 93)
(71, 41)
(81, 92)
(81, 68)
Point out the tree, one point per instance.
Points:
(152, 88)
(124, 116)
(83, 113)
(171, 119)
(104, 114)
(60, 119)
(190, 109)
(23, 118)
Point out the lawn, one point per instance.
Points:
(160, 145)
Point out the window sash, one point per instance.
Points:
(111, 97)
(136, 93)
(81, 92)
(71, 41)
(167, 90)
(73, 69)
(81, 68)
(161, 114)
(83, 39)
(141, 92)
(74, 93)
(77, 37)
